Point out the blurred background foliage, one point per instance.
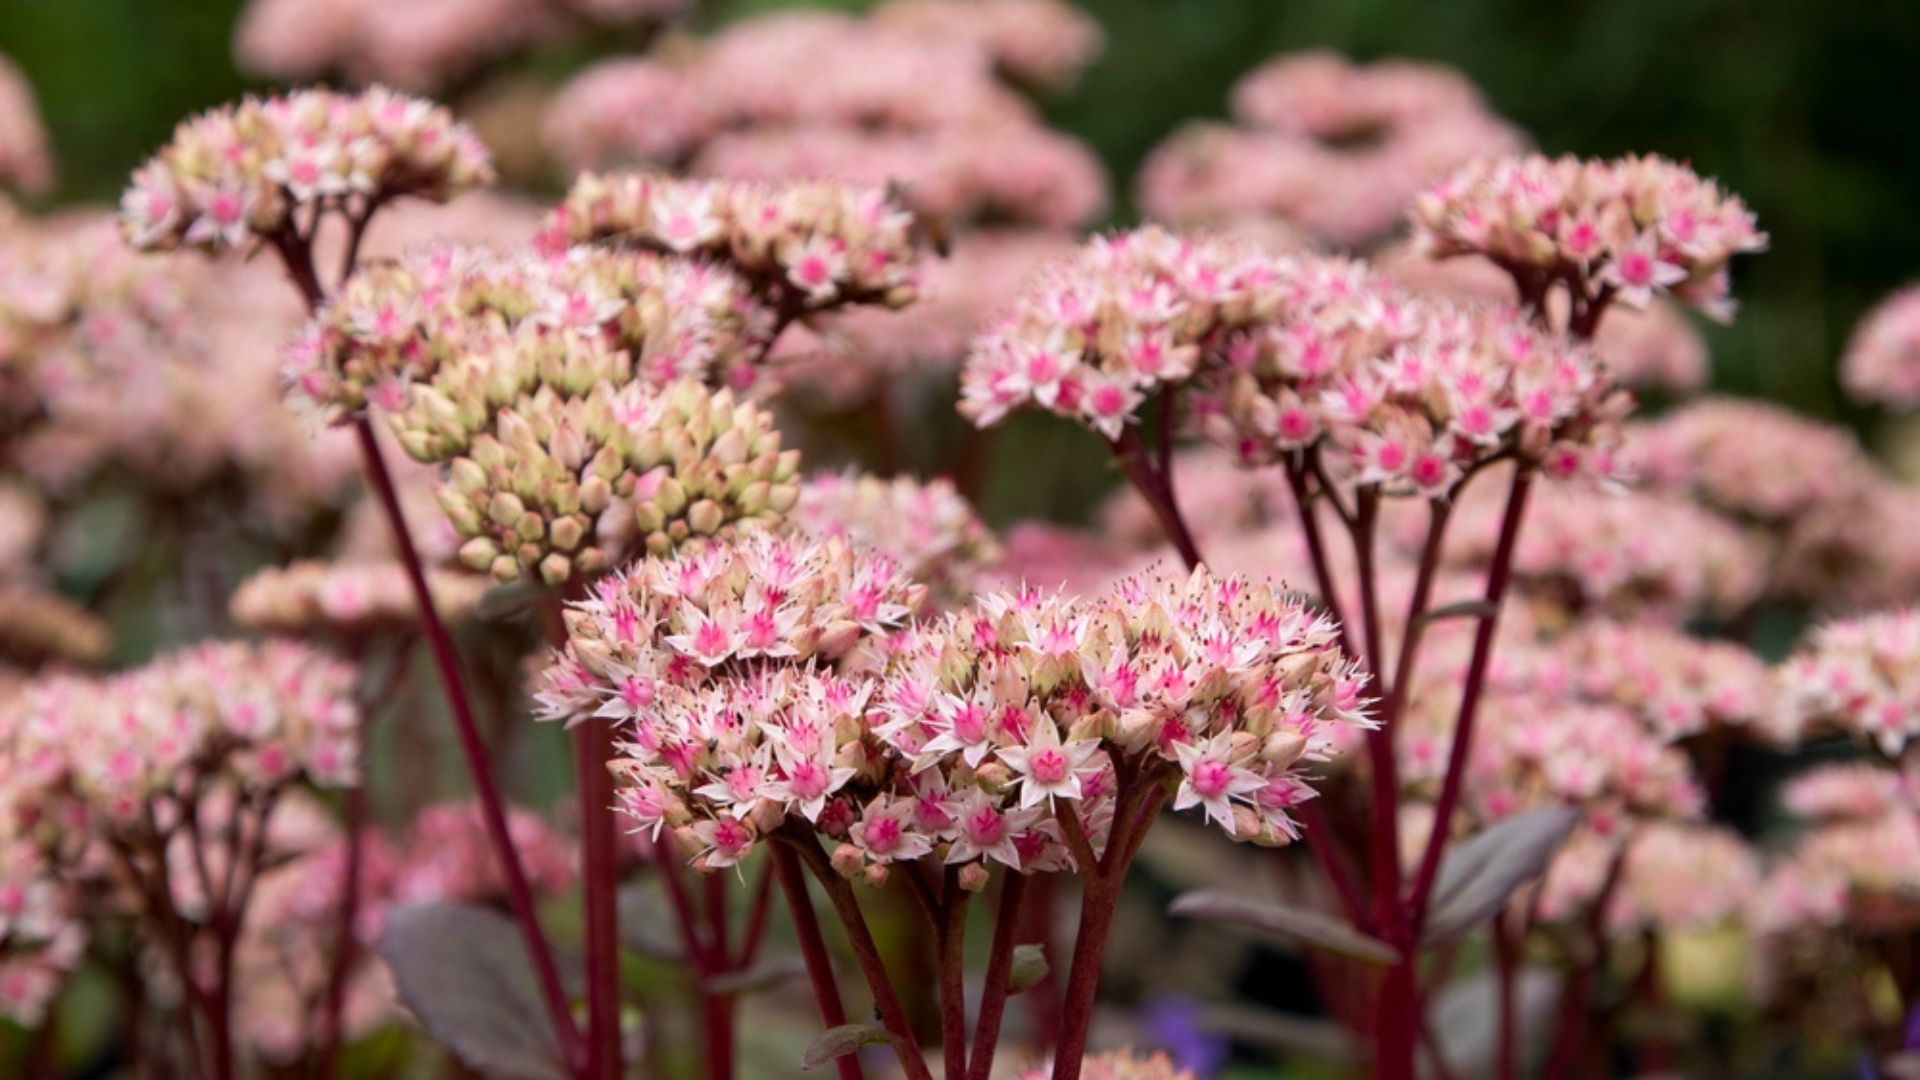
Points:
(1795, 105)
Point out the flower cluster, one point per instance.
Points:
(831, 96)
(261, 715)
(1831, 519)
(928, 528)
(417, 45)
(350, 598)
(396, 323)
(1336, 148)
(109, 360)
(1043, 43)
(1408, 394)
(1846, 791)
(862, 353)
(1657, 346)
(240, 173)
(1674, 877)
(559, 463)
(804, 245)
(1675, 685)
(1882, 361)
(1627, 229)
(41, 940)
(1858, 675)
(1130, 315)
(1018, 710)
(1635, 555)
(1861, 870)
(26, 162)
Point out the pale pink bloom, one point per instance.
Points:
(26, 161)
(1882, 361)
(1049, 769)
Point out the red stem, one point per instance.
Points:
(1498, 576)
(346, 942)
(1572, 1029)
(885, 1000)
(813, 949)
(1157, 488)
(600, 872)
(1098, 903)
(1317, 553)
(993, 995)
(953, 974)
(446, 662)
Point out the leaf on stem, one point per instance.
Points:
(840, 1041)
(1270, 1029)
(506, 603)
(465, 975)
(1466, 1019)
(1029, 967)
(1477, 876)
(1290, 924)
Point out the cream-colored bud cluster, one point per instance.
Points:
(560, 463)
(806, 245)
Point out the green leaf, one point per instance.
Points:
(1029, 967)
(464, 974)
(1463, 609)
(1477, 876)
(840, 1041)
(1287, 923)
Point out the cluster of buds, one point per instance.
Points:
(1130, 315)
(1334, 148)
(26, 162)
(1673, 877)
(258, 715)
(251, 171)
(1634, 555)
(756, 101)
(396, 323)
(1627, 229)
(420, 46)
(349, 599)
(928, 528)
(1882, 361)
(1848, 791)
(1017, 712)
(558, 463)
(805, 246)
(1860, 676)
(1409, 395)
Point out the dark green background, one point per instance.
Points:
(1802, 106)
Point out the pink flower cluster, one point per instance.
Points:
(1860, 676)
(41, 939)
(1130, 315)
(864, 352)
(1675, 685)
(1861, 870)
(1627, 229)
(266, 168)
(395, 324)
(804, 246)
(989, 735)
(108, 360)
(1882, 361)
(26, 161)
(927, 528)
(1675, 877)
(351, 599)
(418, 45)
(262, 715)
(1045, 43)
(1831, 520)
(1408, 395)
(1118, 1065)
(836, 97)
(1656, 346)
(1336, 148)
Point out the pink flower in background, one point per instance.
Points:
(1882, 361)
